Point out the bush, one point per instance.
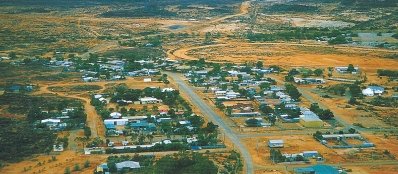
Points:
(67, 170)
(76, 167)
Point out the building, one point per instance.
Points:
(102, 169)
(308, 80)
(116, 115)
(317, 169)
(309, 118)
(344, 69)
(275, 143)
(245, 114)
(143, 126)
(373, 90)
(310, 154)
(51, 122)
(311, 121)
(149, 100)
(116, 122)
(127, 165)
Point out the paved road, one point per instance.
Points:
(211, 114)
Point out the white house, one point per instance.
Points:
(232, 94)
(168, 89)
(127, 164)
(117, 122)
(116, 115)
(149, 100)
(51, 121)
(220, 93)
(368, 92)
(275, 143)
(344, 69)
(373, 90)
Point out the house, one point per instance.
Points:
(110, 127)
(310, 154)
(149, 100)
(143, 126)
(184, 122)
(277, 88)
(275, 143)
(344, 69)
(168, 89)
(116, 115)
(58, 147)
(116, 122)
(127, 165)
(51, 122)
(308, 80)
(192, 140)
(102, 169)
(232, 94)
(317, 169)
(220, 93)
(245, 114)
(164, 120)
(368, 92)
(373, 90)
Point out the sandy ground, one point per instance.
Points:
(291, 55)
(64, 160)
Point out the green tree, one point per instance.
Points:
(87, 131)
(86, 164)
(292, 91)
(355, 90)
(264, 108)
(76, 167)
(208, 38)
(67, 170)
(265, 86)
(259, 64)
(12, 55)
(350, 68)
(318, 72)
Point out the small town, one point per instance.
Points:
(182, 86)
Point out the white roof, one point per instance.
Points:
(97, 96)
(310, 118)
(52, 120)
(166, 141)
(128, 164)
(113, 120)
(116, 114)
(167, 89)
(184, 122)
(276, 141)
(148, 99)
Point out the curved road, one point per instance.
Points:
(209, 112)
